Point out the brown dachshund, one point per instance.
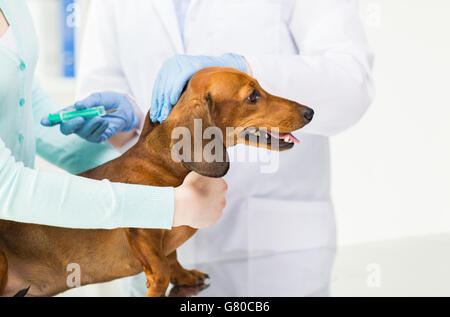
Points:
(38, 256)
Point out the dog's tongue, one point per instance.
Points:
(283, 136)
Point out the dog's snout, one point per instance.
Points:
(308, 114)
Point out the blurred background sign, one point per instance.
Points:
(70, 21)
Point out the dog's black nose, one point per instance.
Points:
(308, 114)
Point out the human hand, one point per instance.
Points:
(99, 129)
(176, 72)
(199, 201)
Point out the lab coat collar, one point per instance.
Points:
(166, 12)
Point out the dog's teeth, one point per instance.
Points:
(266, 135)
(258, 133)
(287, 140)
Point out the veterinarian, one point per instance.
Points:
(313, 52)
(57, 199)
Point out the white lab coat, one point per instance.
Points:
(313, 52)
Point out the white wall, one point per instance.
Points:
(391, 172)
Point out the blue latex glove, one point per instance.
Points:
(176, 72)
(99, 129)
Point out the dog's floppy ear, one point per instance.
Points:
(202, 149)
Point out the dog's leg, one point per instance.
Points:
(147, 246)
(179, 276)
(3, 272)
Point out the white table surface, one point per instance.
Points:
(418, 266)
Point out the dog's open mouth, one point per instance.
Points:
(265, 137)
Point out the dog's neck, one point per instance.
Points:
(153, 151)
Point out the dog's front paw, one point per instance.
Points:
(182, 277)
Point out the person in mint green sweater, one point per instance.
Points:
(61, 199)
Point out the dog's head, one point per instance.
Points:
(241, 112)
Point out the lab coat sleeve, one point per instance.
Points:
(70, 153)
(332, 71)
(64, 200)
(100, 65)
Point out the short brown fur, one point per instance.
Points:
(39, 255)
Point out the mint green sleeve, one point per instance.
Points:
(64, 200)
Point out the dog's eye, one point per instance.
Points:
(254, 96)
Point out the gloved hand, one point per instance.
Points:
(176, 72)
(99, 129)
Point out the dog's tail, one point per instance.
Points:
(3, 272)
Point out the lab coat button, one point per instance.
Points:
(21, 102)
(20, 138)
(22, 66)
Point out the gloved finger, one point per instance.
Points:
(109, 100)
(98, 132)
(133, 123)
(93, 100)
(165, 111)
(175, 95)
(177, 90)
(154, 107)
(90, 126)
(112, 100)
(171, 92)
(164, 100)
(72, 125)
(109, 133)
(161, 105)
(46, 123)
